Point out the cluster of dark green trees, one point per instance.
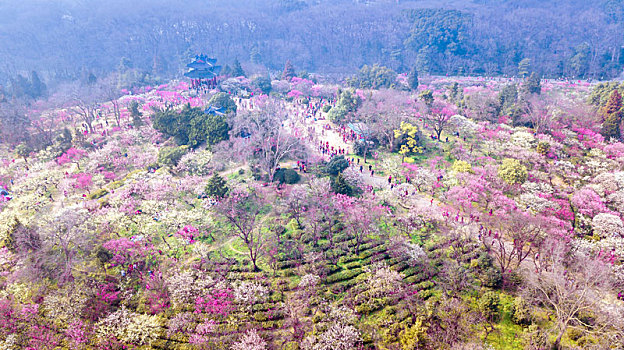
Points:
(348, 102)
(334, 168)
(192, 126)
(32, 87)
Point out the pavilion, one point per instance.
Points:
(203, 72)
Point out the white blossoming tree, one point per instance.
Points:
(605, 224)
(251, 340)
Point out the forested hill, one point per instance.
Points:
(65, 38)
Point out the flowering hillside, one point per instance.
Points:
(445, 213)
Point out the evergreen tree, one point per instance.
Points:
(533, 84)
(348, 102)
(305, 75)
(124, 64)
(237, 70)
(210, 128)
(227, 70)
(65, 140)
(136, 114)
(191, 126)
(613, 116)
(37, 87)
(373, 77)
(91, 79)
(614, 104)
(456, 94)
(264, 84)
(412, 79)
(171, 155)
(336, 165)
(507, 99)
(223, 100)
(427, 97)
(341, 186)
(216, 187)
(289, 71)
(20, 86)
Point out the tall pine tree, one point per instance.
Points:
(533, 84)
(412, 79)
(216, 187)
(613, 116)
(237, 70)
(289, 71)
(341, 186)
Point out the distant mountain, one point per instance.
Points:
(62, 39)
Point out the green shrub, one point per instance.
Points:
(489, 304)
(491, 278)
(521, 312)
(216, 187)
(171, 155)
(353, 265)
(414, 337)
(371, 306)
(260, 316)
(263, 83)
(223, 100)
(98, 193)
(373, 77)
(327, 108)
(586, 342)
(543, 148)
(336, 165)
(340, 186)
(348, 102)
(425, 294)
(347, 259)
(536, 338)
(287, 176)
(344, 275)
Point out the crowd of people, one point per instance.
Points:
(203, 85)
(326, 149)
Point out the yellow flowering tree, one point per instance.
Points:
(408, 136)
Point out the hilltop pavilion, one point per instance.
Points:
(203, 72)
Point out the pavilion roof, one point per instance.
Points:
(200, 74)
(358, 128)
(203, 67)
(214, 110)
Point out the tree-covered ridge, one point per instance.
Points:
(578, 39)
